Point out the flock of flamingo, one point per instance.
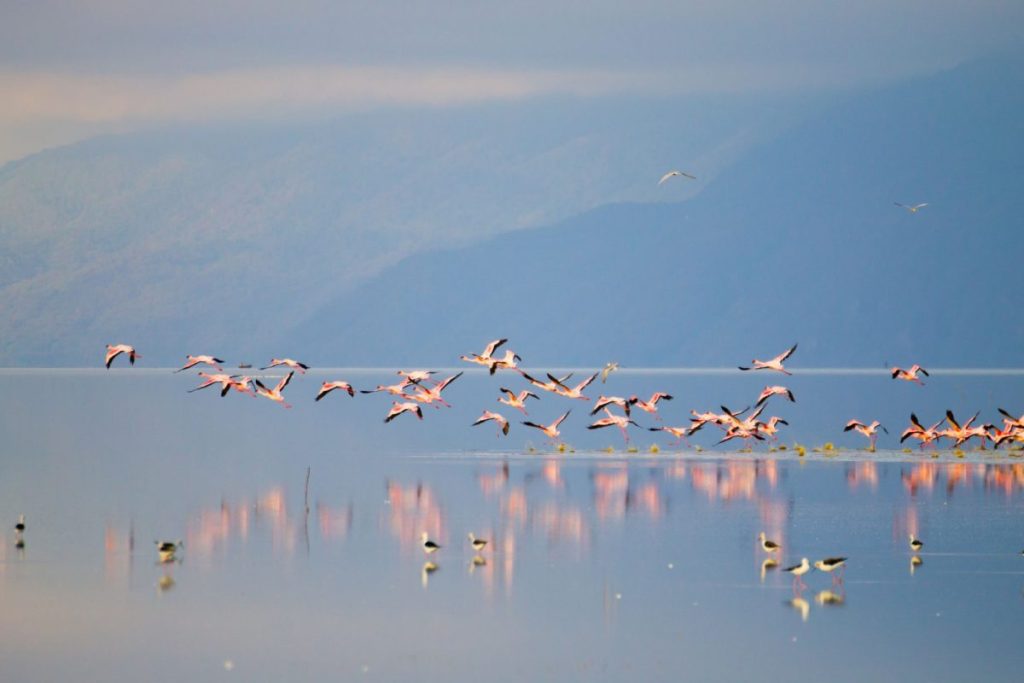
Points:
(418, 388)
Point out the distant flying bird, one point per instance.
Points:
(775, 391)
(399, 408)
(673, 174)
(393, 389)
(678, 432)
(113, 351)
(275, 393)
(870, 431)
(517, 401)
(429, 546)
(192, 361)
(911, 209)
(620, 421)
(507, 362)
(909, 375)
(771, 427)
(551, 430)
(608, 369)
(497, 418)
(416, 376)
(240, 384)
(328, 387)
(287, 362)
(774, 363)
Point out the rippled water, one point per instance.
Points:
(624, 566)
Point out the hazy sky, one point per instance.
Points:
(72, 69)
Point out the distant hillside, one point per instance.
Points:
(799, 241)
(222, 239)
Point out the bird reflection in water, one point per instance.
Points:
(915, 562)
(862, 474)
(165, 583)
(428, 569)
(800, 605)
(830, 598)
(492, 484)
(767, 565)
(334, 523)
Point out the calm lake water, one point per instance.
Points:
(609, 567)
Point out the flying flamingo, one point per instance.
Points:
(774, 363)
(909, 375)
(425, 395)
(608, 369)
(870, 431)
(116, 350)
(508, 362)
(328, 387)
(604, 401)
(399, 408)
(576, 391)
(741, 433)
(485, 357)
(275, 393)
(517, 401)
(775, 391)
(917, 431)
(393, 389)
(223, 379)
(1011, 420)
(678, 432)
(416, 376)
(497, 417)
(962, 433)
(771, 427)
(192, 361)
(240, 384)
(551, 386)
(912, 209)
(651, 406)
(289, 363)
(551, 430)
(620, 421)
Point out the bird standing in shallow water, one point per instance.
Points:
(798, 570)
(166, 550)
(830, 564)
(429, 547)
(766, 545)
(915, 543)
(477, 543)
(19, 528)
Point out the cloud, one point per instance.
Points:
(31, 97)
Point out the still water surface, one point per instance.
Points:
(600, 566)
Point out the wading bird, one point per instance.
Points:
(166, 550)
(767, 545)
(288, 363)
(829, 565)
(328, 387)
(477, 543)
(275, 393)
(113, 351)
(192, 361)
(429, 547)
(798, 571)
(773, 364)
(551, 430)
(917, 431)
(909, 375)
(497, 418)
(517, 401)
(915, 543)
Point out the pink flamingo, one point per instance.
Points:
(774, 363)
(113, 351)
(275, 393)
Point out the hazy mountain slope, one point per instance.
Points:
(800, 241)
(220, 239)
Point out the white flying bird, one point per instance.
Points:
(911, 209)
(671, 174)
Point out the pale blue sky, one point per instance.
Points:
(70, 70)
